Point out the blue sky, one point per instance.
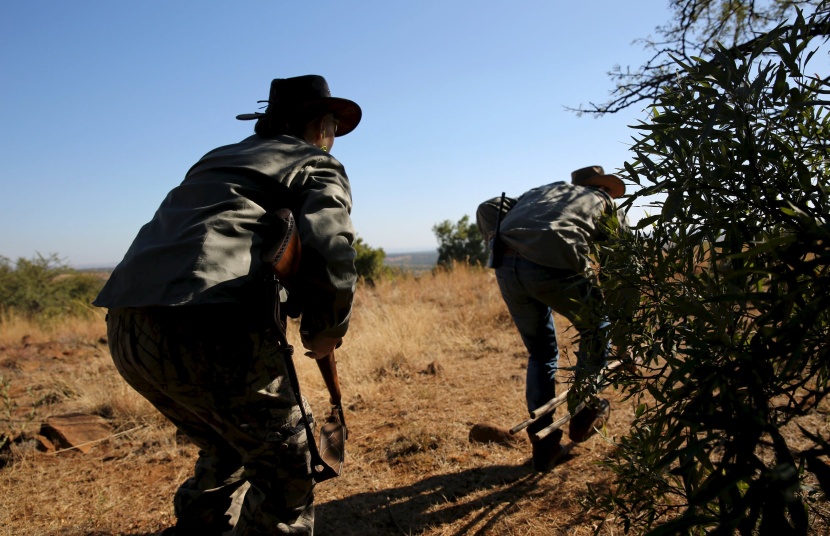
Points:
(106, 105)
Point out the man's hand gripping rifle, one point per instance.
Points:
(282, 256)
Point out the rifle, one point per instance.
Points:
(282, 254)
(496, 248)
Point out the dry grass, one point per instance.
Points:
(69, 330)
(425, 359)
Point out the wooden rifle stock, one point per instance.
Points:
(282, 254)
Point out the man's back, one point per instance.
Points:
(554, 225)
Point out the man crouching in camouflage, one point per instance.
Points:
(187, 320)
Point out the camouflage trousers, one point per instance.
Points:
(224, 385)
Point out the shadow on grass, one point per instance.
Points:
(434, 501)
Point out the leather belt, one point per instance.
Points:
(510, 252)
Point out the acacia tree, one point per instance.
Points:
(733, 321)
(459, 242)
(695, 27)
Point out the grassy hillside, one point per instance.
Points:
(425, 360)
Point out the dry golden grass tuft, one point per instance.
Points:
(426, 359)
(69, 330)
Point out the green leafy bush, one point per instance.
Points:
(460, 242)
(733, 320)
(45, 287)
(369, 260)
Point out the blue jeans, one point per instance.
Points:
(532, 292)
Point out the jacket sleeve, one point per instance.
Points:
(327, 235)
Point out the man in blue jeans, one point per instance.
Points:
(545, 241)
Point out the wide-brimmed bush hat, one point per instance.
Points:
(290, 96)
(595, 176)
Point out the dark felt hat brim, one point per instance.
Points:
(347, 112)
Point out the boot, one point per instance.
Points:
(586, 423)
(547, 451)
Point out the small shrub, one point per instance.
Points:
(369, 260)
(44, 287)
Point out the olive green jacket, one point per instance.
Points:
(203, 244)
(553, 225)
